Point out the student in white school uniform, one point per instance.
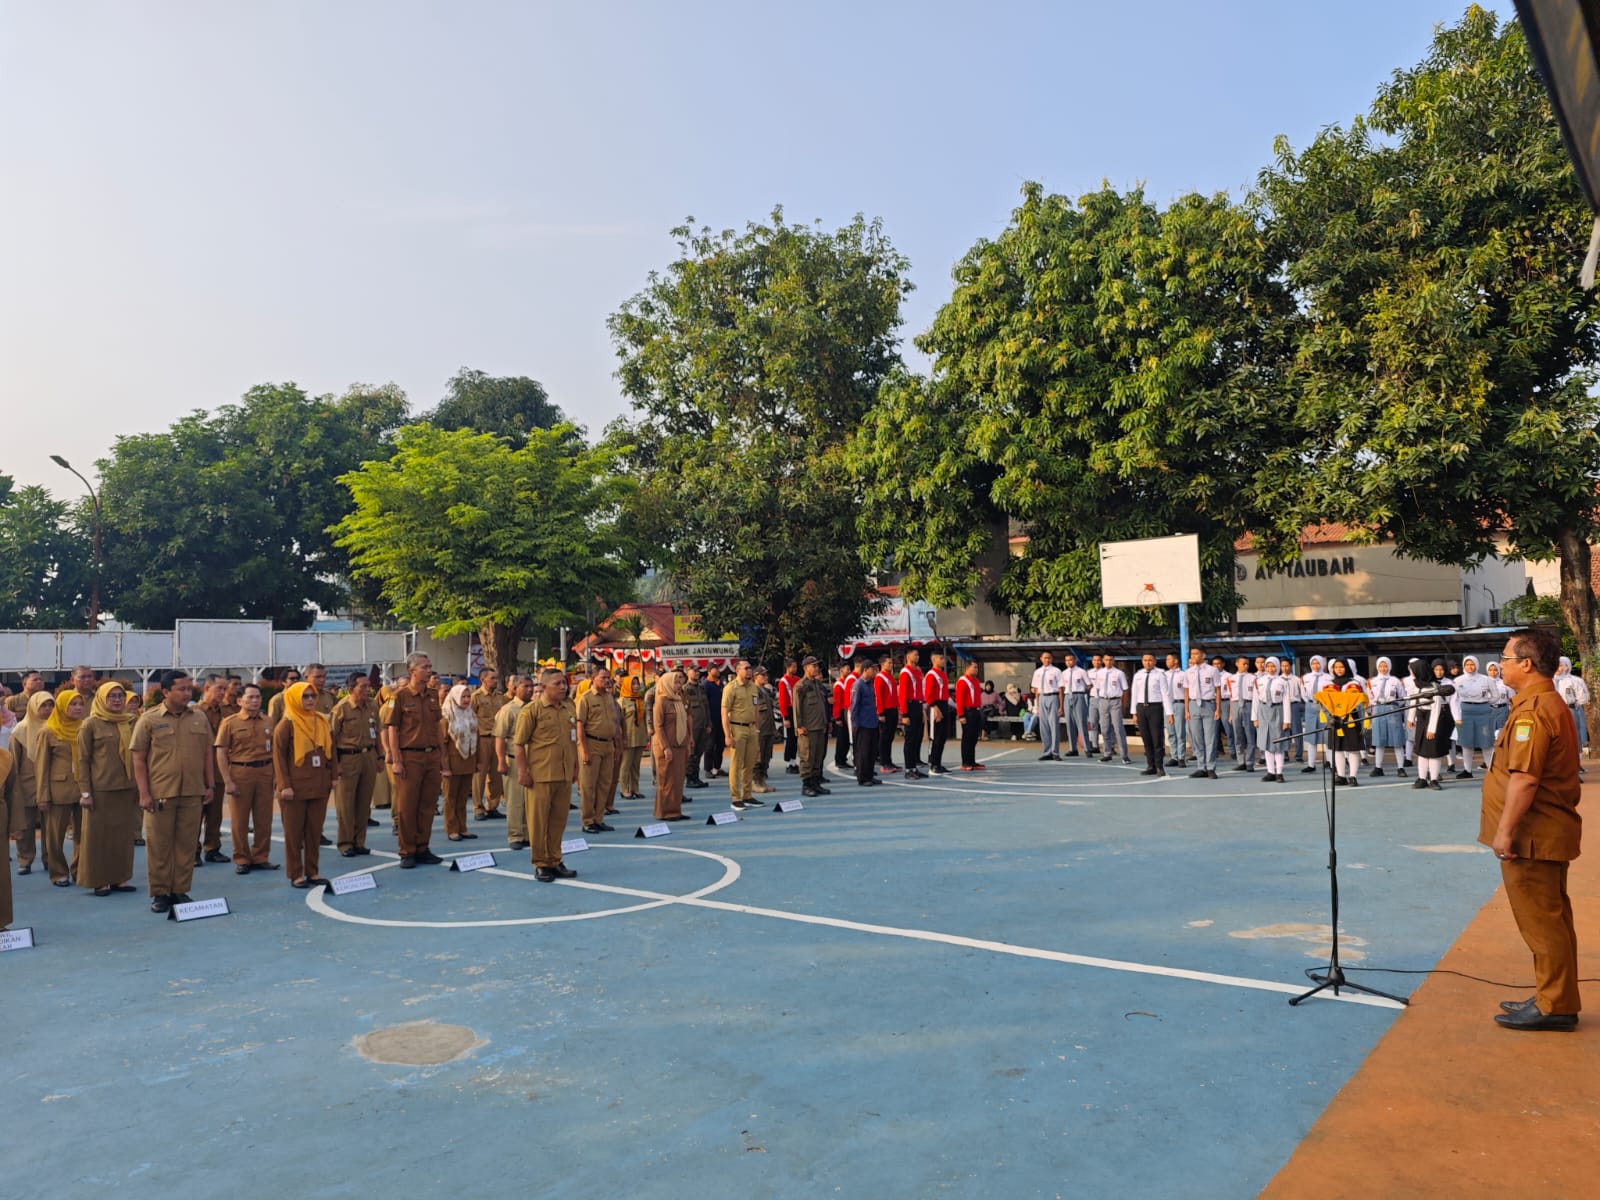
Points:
(1388, 729)
(1312, 682)
(1475, 704)
(1433, 724)
(1242, 690)
(1271, 717)
(1177, 726)
(1500, 699)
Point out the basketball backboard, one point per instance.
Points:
(1150, 571)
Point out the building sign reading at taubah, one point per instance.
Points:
(1303, 568)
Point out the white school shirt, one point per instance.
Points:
(1047, 681)
(1201, 683)
(1112, 683)
(1150, 687)
(1075, 680)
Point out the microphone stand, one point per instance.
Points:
(1334, 977)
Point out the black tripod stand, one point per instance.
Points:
(1334, 977)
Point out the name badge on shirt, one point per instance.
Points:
(316, 760)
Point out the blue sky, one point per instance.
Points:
(200, 197)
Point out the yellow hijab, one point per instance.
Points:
(63, 726)
(122, 720)
(310, 726)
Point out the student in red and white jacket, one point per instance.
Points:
(941, 716)
(787, 682)
(969, 711)
(910, 696)
(888, 705)
(843, 686)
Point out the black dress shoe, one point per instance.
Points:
(348, 852)
(1532, 1018)
(1518, 1005)
(371, 824)
(160, 904)
(792, 769)
(1211, 774)
(428, 858)
(1149, 771)
(407, 862)
(1071, 754)
(1127, 762)
(138, 841)
(1375, 773)
(1352, 782)
(563, 871)
(1200, 774)
(1435, 786)
(519, 845)
(611, 812)
(217, 856)
(591, 828)
(1401, 772)
(1046, 757)
(1268, 777)
(25, 869)
(1106, 758)
(183, 898)
(198, 860)
(544, 875)
(941, 770)
(822, 791)
(1463, 774)
(1242, 767)
(266, 866)
(241, 868)
(1420, 784)
(807, 791)
(1160, 774)
(324, 840)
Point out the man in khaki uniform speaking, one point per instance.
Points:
(599, 749)
(354, 726)
(546, 743)
(173, 767)
(505, 728)
(1530, 819)
(487, 702)
(740, 700)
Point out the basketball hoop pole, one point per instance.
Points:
(1183, 634)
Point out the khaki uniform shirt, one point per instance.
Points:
(634, 704)
(548, 734)
(311, 779)
(739, 703)
(100, 767)
(354, 726)
(245, 739)
(416, 716)
(487, 706)
(176, 750)
(1540, 740)
(52, 770)
(505, 727)
(600, 716)
(18, 704)
(811, 704)
(214, 713)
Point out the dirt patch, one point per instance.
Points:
(418, 1044)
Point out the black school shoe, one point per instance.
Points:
(160, 904)
(1531, 1018)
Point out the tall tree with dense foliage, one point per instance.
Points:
(750, 360)
(1448, 355)
(226, 515)
(507, 406)
(463, 533)
(45, 561)
(1104, 370)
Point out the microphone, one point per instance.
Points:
(1441, 688)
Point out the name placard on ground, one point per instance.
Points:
(574, 845)
(659, 829)
(16, 939)
(345, 884)
(197, 910)
(788, 806)
(723, 818)
(473, 862)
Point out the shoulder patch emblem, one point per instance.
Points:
(1523, 730)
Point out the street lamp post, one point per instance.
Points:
(94, 498)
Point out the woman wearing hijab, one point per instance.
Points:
(669, 746)
(10, 795)
(1500, 701)
(1474, 702)
(306, 770)
(1434, 724)
(109, 795)
(458, 725)
(1345, 737)
(55, 774)
(1011, 705)
(1271, 716)
(1572, 689)
(25, 806)
(1388, 729)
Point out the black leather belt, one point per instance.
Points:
(342, 752)
(745, 724)
(419, 749)
(263, 762)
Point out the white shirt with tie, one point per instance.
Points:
(1151, 687)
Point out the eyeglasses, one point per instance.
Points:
(1505, 658)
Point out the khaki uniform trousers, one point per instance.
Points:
(486, 786)
(813, 750)
(1537, 890)
(210, 834)
(59, 819)
(302, 835)
(250, 815)
(382, 784)
(416, 799)
(457, 791)
(548, 805)
(516, 810)
(27, 843)
(741, 771)
(169, 837)
(597, 781)
(628, 770)
(358, 774)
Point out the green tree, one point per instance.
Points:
(463, 533)
(1447, 353)
(749, 361)
(1103, 371)
(45, 567)
(508, 406)
(225, 515)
